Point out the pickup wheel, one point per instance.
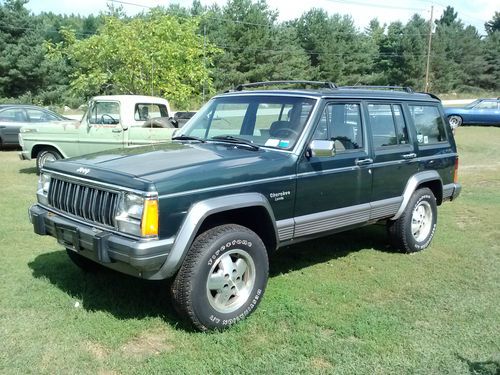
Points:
(222, 278)
(44, 155)
(83, 263)
(415, 228)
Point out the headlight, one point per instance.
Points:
(138, 215)
(43, 188)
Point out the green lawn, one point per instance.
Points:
(344, 304)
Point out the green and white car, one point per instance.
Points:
(111, 122)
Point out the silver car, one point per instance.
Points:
(15, 116)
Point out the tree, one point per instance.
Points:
(154, 54)
(21, 71)
(494, 24)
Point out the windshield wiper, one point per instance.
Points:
(187, 138)
(234, 140)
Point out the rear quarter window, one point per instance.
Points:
(429, 124)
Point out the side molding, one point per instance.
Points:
(197, 215)
(411, 186)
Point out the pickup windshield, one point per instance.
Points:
(261, 120)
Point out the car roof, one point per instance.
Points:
(29, 106)
(132, 99)
(341, 93)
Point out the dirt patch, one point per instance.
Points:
(98, 351)
(320, 363)
(147, 344)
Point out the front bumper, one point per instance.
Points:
(140, 258)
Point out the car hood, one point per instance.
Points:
(174, 167)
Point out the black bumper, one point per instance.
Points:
(134, 257)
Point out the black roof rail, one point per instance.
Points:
(402, 88)
(326, 85)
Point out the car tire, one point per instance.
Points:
(222, 278)
(44, 155)
(414, 229)
(455, 121)
(83, 263)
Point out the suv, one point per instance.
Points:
(253, 171)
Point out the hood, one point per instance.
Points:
(174, 167)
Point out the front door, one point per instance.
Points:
(335, 191)
(101, 128)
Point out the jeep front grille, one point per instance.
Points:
(89, 203)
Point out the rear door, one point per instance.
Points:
(394, 155)
(335, 191)
(11, 120)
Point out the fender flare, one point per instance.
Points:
(195, 218)
(46, 145)
(411, 186)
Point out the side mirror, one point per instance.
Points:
(174, 122)
(321, 149)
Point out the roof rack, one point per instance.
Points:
(402, 88)
(326, 85)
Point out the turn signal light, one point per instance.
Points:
(149, 225)
(455, 175)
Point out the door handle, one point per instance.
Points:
(117, 130)
(364, 161)
(409, 156)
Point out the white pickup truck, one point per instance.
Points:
(114, 121)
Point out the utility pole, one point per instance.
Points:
(429, 52)
(204, 56)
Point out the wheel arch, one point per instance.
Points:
(41, 146)
(234, 209)
(429, 179)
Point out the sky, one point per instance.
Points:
(474, 13)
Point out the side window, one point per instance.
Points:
(487, 104)
(145, 111)
(341, 122)
(429, 124)
(104, 113)
(13, 115)
(387, 124)
(36, 115)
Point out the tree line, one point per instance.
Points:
(188, 53)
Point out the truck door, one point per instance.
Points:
(101, 128)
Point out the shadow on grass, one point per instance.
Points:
(481, 368)
(125, 297)
(305, 254)
(31, 170)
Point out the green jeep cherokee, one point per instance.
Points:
(253, 171)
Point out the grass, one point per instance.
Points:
(344, 304)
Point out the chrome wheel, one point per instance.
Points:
(48, 156)
(455, 121)
(421, 221)
(230, 281)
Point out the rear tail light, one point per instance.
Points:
(455, 175)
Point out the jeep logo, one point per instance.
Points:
(82, 170)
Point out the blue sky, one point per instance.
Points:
(474, 13)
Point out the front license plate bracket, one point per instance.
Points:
(68, 236)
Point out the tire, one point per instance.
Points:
(415, 228)
(44, 155)
(83, 263)
(455, 121)
(222, 278)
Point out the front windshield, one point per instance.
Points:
(270, 121)
(471, 105)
